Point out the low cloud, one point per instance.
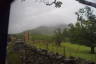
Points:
(29, 14)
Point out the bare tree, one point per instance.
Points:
(57, 3)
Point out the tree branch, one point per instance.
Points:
(51, 3)
(87, 3)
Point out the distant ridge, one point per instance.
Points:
(47, 30)
(44, 30)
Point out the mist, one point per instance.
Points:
(31, 14)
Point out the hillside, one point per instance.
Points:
(47, 30)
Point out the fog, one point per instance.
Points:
(31, 14)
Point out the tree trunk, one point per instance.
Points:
(92, 50)
(4, 18)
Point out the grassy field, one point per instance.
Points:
(68, 49)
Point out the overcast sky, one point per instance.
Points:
(32, 13)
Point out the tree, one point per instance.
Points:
(58, 36)
(4, 14)
(84, 31)
(65, 34)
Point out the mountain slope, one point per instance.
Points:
(47, 30)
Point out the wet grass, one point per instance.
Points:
(69, 49)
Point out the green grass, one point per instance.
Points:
(12, 57)
(70, 50)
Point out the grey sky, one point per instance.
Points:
(31, 14)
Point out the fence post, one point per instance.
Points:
(64, 51)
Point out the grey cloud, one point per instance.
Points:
(30, 14)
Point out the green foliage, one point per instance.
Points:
(58, 36)
(12, 57)
(65, 35)
(84, 31)
(40, 37)
(70, 50)
(20, 36)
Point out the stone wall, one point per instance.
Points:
(32, 55)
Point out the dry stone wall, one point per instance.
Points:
(32, 55)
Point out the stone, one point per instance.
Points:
(43, 56)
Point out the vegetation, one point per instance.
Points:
(70, 50)
(40, 37)
(12, 57)
(84, 31)
(58, 36)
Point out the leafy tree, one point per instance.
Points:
(58, 36)
(84, 31)
(65, 35)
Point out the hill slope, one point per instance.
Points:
(47, 30)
